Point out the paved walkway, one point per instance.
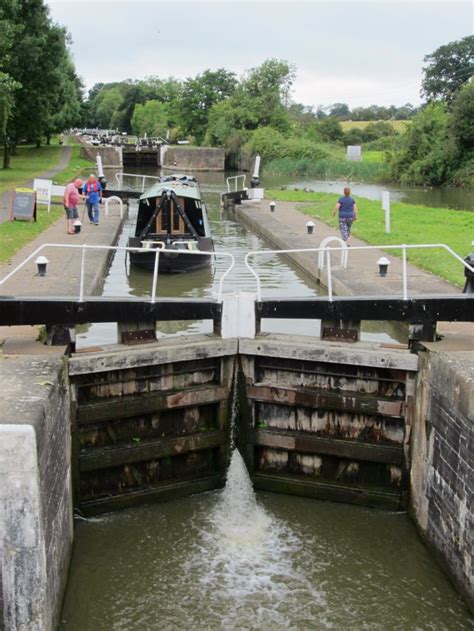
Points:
(6, 199)
(286, 229)
(63, 274)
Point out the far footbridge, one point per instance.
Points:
(329, 417)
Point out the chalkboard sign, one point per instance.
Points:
(24, 204)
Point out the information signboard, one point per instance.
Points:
(43, 190)
(354, 152)
(24, 204)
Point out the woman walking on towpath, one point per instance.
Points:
(347, 208)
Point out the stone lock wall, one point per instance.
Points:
(36, 518)
(442, 451)
(193, 158)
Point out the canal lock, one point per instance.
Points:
(156, 424)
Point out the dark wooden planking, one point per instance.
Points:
(148, 450)
(134, 405)
(451, 307)
(327, 400)
(163, 492)
(297, 485)
(350, 449)
(26, 311)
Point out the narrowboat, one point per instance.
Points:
(172, 216)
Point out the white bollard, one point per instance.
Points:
(386, 207)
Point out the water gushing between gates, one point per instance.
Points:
(247, 562)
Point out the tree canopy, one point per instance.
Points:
(447, 69)
(38, 74)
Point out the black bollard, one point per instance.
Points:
(469, 284)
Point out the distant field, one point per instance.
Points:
(397, 125)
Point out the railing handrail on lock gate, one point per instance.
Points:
(234, 179)
(119, 177)
(114, 198)
(85, 247)
(327, 252)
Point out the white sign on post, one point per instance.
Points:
(43, 192)
(386, 207)
(354, 153)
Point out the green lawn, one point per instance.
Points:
(410, 224)
(16, 234)
(397, 125)
(28, 164)
(77, 167)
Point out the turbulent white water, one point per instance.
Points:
(247, 563)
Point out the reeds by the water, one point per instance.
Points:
(327, 169)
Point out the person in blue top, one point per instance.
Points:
(92, 190)
(347, 209)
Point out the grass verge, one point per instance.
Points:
(398, 125)
(409, 224)
(28, 164)
(77, 167)
(16, 234)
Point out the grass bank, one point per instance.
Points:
(371, 168)
(28, 164)
(16, 234)
(409, 224)
(77, 167)
(398, 125)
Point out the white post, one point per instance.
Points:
(328, 261)
(81, 285)
(155, 276)
(100, 169)
(256, 168)
(386, 207)
(405, 272)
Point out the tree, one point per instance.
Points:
(462, 120)
(330, 129)
(107, 103)
(340, 110)
(150, 118)
(447, 69)
(424, 154)
(7, 100)
(38, 59)
(199, 95)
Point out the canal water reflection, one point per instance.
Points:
(233, 560)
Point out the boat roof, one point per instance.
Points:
(182, 185)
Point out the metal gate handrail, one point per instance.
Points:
(115, 248)
(235, 179)
(327, 252)
(119, 177)
(325, 244)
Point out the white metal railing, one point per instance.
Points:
(115, 199)
(234, 179)
(325, 244)
(84, 248)
(326, 251)
(141, 187)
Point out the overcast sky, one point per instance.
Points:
(354, 52)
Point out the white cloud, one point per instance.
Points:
(354, 52)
